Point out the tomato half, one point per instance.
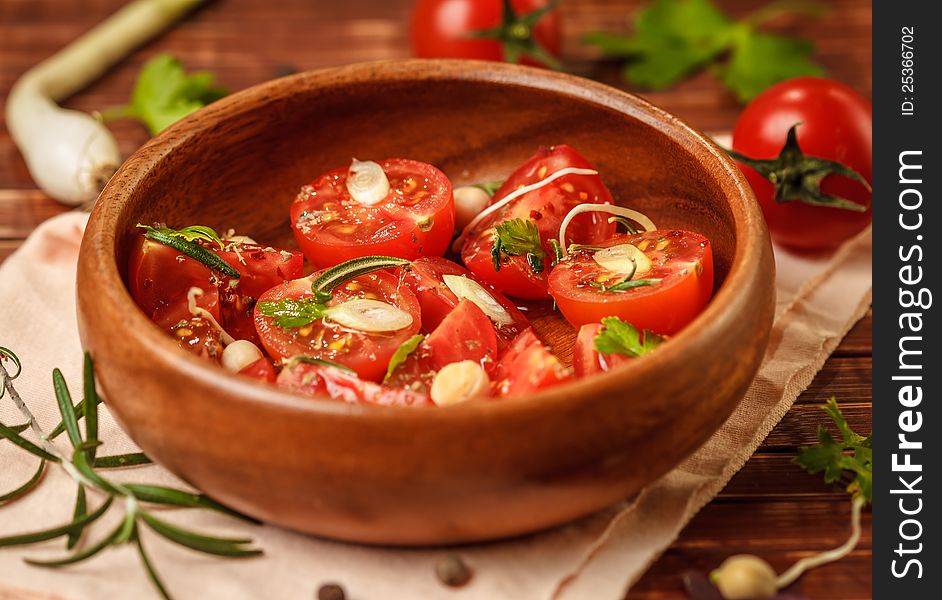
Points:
(528, 366)
(586, 360)
(367, 353)
(836, 123)
(425, 278)
(546, 208)
(339, 384)
(417, 217)
(445, 28)
(466, 333)
(262, 370)
(681, 276)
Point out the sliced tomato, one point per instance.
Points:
(367, 353)
(340, 384)
(465, 334)
(681, 278)
(586, 360)
(199, 336)
(417, 217)
(425, 278)
(528, 366)
(262, 370)
(546, 208)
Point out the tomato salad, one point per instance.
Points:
(398, 307)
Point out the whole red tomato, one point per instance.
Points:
(481, 29)
(835, 123)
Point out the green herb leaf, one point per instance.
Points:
(91, 400)
(82, 554)
(116, 461)
(852, 454)
(25, 444)
(401, 354)
(518, 237)
(313, 360)
(558, 253)
(26, 487)
(173, 238)
(165, 93)
(158, 494)
(490, 187)
(291, 314)
(190, 233)
(65, 408)
(151, 572)
(325, 283)
(81, 508)
(628, 224)
(54, 532)
(674, 38)
(619, 337)
(200, 542)
(625, 284)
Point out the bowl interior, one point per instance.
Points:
(244, 169)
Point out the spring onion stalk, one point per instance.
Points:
(623, 258)
(70, 154)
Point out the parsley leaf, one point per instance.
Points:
(164, 93)
(674, 38)
(853, 453)
(518, 237)
(290, 313)
(619, 337)
(402, 353)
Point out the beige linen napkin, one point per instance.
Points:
(598, 557)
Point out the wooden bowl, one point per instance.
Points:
(423, 476)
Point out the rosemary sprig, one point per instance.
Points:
(183, 243)
(82, 465)
(625, 284)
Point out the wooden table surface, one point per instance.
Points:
(771, 507)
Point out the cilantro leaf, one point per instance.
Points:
(674, 38)
(619, 337)
(759, 60)
(853, 453)
(402, 353)
(164, 93)
(290, 313)
(518, 237)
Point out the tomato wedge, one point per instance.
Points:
(465, 334)
(425, 277)
(324, 380)
(528, 366)
(545, 207)
(680, 283)
(417, 217)
(586, 359)
(262, 370)
(367, 353)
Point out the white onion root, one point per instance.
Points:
(621, 211)
(70, 154)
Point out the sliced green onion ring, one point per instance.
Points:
(371, 316)
(621, 211)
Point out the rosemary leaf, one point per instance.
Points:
(158, 494)
(80, 460)
(54, 532)
(81, 508)
(79, 408)
(25, 444)
(91, 401)
(20, 428)
(121, 460)
(65, 408)
(26, 487)
(197, 541)
(82, 554)
(154, 578)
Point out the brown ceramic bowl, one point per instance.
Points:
(423, 476)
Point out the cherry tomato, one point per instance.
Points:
(586, 360)
(367, 353)
(466, 333)
(836, 123)
(425, 278)
(546, 207)
(528, 366)
(417, 217)
(681, 277)
(446, 28)
(199, 336)
(339, 384)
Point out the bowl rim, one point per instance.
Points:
(751, 238)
